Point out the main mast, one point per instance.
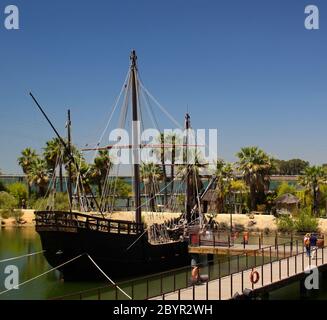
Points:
(70, 192)
(189, 174)
(136, 142)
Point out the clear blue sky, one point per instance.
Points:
(248, 68)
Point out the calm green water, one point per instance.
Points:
(15, 242)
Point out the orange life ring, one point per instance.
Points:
(254, 277)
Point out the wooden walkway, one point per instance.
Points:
(236, 249)
(274, 274)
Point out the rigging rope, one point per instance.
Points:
(121, 290)
(40, 275)
(23, 256)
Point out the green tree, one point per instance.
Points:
(26, 160)
(160, 152)
(284, 188)
(2, 186)
(305, 222)
(290, 167)
(19, 191)
(255, 166)
(8, 204)
(121, 188)
(151, 174)
(171, 153)
(38, 175)
(100, 169)
(55, 155)
(191, 174)
(225, 176)
(311, 180)
(240, 190)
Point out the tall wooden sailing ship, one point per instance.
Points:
(120, 248)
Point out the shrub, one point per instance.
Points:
(61, 202)
(285, 224)
(305, 222)
(19, 191)
(284, 188)
(17, 215)
(2, 186)
(7, 204)
(39, 204)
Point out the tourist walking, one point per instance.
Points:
(313, 245)
(196, 279)
(306, 242)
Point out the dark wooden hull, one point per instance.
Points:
(110, 251)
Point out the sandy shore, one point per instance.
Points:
(149, 218)
(261, 222)
(28, 218)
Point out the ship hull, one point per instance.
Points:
(114, 253)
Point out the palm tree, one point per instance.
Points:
(225, 176)
(54, 155)
(171, 153)
(192, 174)
(38, 175)
(26, 160)
(150, 174)
(100, 169)
(161, 153)
(255, 166)
(239, 188)
(312, 179)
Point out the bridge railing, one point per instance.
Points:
(178, 280)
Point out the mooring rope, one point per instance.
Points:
(23, 256)
(121, 290)
(40, 275)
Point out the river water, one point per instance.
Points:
(19, 241)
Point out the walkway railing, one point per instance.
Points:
(178, 280)
(288, 262)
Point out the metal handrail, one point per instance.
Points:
(186, 269)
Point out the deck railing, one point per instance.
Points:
(71, 222)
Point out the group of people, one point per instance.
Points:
(310, 243)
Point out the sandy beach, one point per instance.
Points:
(261, 222)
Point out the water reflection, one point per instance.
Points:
(16, 242)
